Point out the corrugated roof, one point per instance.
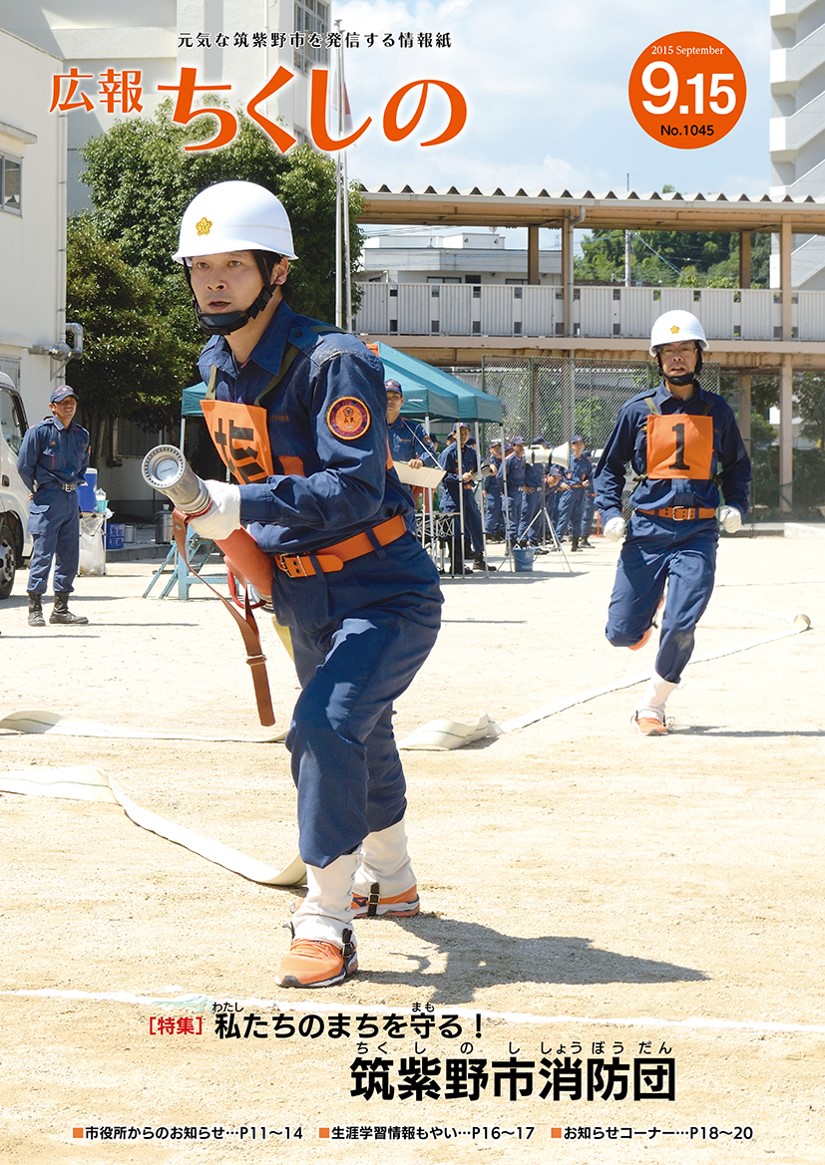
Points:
(652, 210)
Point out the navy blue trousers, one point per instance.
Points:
(530, 523)
(470, 541)
(359, 637)
(54, 524)
(571, 512)
(494, 514)
(659, 552)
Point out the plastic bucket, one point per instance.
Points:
(523, 559)
(114, 536)
(86, 493)
(164, 531)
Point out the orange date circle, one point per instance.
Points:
(687, 90)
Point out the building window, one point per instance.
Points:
(310, 26)
(10, 169)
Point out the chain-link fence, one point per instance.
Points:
(555, 397)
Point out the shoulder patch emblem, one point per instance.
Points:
(348, 418)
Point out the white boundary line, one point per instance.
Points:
(799, 623)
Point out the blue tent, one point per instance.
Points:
(190, 402)
(429, 391)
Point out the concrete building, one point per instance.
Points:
(235, 43)
(468, 257)
(33, 344)
(797, 127)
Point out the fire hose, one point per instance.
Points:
(166, 470)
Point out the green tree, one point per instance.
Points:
(809, 391)
(141, 179)
(132, 361)
(671, 258)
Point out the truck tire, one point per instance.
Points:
(8, 561)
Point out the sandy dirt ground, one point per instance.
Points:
(595, 904)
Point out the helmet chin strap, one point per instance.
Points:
(685, 377)
(224, 323)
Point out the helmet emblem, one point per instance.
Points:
(673, 331)
(204, 226)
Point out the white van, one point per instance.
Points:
(15, 541)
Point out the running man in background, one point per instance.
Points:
(683, 444)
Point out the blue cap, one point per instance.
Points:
(393, 386)
(517, 441)
(60, 393)
(576, 439)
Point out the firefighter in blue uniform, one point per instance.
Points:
(492, 488)
(555, 488)
(573, 504)
(459, 461)
(409, 440)
(589, 506)
(300, 417)
(53, 459)
(514, 467)
(683, 443)
(532, 516)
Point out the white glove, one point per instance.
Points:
(730, 519)
(614, 529)
(224, 514)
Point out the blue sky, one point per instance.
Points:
(546, 85)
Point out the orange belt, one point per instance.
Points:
(680, 513)
(332, 558)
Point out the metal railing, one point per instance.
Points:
(422, 309)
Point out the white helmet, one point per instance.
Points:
(234, 216)
(675, 326)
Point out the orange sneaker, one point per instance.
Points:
(649, 632)
(405, 905)
(649, 725)
(313, 963)
(642, 641)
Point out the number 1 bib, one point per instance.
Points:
(679, 445)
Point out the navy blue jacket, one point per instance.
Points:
(410, 440)
(448, 460)
(627, 445)
(346, 484)
(53, 455)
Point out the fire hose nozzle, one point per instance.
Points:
(166, 469)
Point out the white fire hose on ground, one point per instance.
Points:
(443, 735)
(88, 783)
